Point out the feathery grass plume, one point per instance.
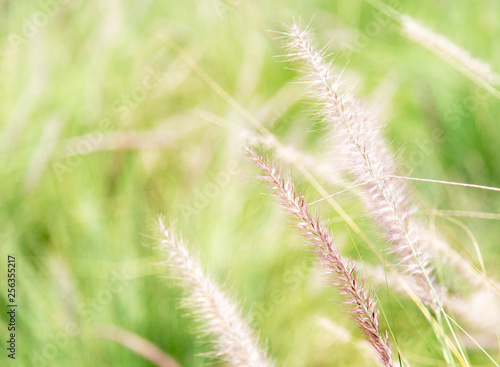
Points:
(234, 340)
(359, 296)
(448, 51)
(365, 153)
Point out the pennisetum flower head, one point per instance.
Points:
(233, 339)
(358, 296)
(364, 152)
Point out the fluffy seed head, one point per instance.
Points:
(448, 50)
(233, 339)
(365, 154)
(358, 296)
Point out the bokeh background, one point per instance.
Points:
(105, 126)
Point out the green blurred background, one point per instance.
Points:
(105, 127)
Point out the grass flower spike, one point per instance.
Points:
(358, 296)
(364, 152)
(233, 339)
(448, 51)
